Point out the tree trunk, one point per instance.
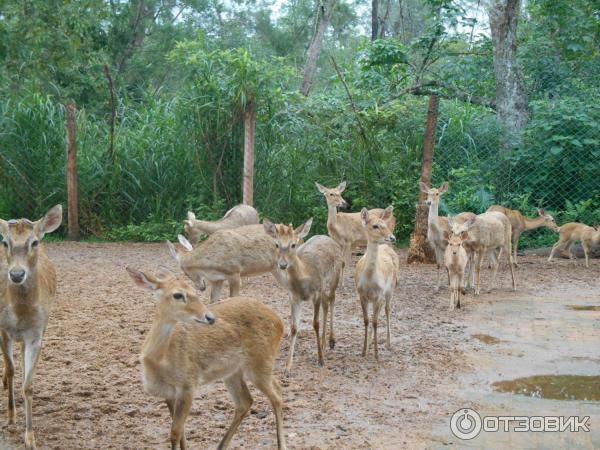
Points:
(420, 250)
(72, 203)
(249, 127)
(511, 97)
(374, 19)
(312, 55)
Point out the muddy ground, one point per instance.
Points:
(88, 392)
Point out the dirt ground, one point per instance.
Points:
(88, 392)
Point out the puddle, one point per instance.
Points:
(556, 387)
(584, 307)
(486, 338)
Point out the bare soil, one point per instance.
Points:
(88, 392)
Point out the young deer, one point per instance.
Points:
(487, 232)
(572, 232)
(189, 345)
(27, 291)
(521, 223)
(310, 272)
(237, 216)
(227, 255)
(456, 259)
(346, 228)
(376, 274)
(436, 225)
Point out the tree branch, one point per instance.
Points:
(429, 88)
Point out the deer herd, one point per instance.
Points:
(236, 340)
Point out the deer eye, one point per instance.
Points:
(35, 244)
(293, 245)
(376, 227)
(5, 244)
(276, 244)
(178, 296)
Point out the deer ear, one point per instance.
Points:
(270, 228)
(303, 230)
(423, 187)
(541, 212)
(443, 187)
(471, 222)
(191, 215)
(364, 215)
(446, 235)
(141, 279)
(173, 251)
(184, 242)
(50, 222)
(3, 228)
(464, 235)
(341, 187)
(320, 187)
(387, 213)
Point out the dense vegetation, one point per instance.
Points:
(183, 72)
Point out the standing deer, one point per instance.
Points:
(487, 232)
(456, 260)
(436, 225)
(572, 232)
(376, 274)
(346, 228)
(521, 223)
(310, 272)
(237, 216)
(227, 255)
(28, 287)
(189, 345)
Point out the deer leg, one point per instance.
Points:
(234, 285)
(238, 389)
(215, 290)
(331, 332)
(181, 409)
(271, 388)
(496, 263)
(388, 310)
(568, 250)
(295, 324)
(478, 259)
(317, 306)
(439, 259)
(516, 237)
(9, 374)
(554, 247)
(325, 310)
(346, 256)
(365, 310)
(31, 354)
(375, 320)
(586, 249)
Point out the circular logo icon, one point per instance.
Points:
(465, 424)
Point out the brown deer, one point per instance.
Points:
(237, 216)
(227, 255)
(189, 345)
(27, 289)
(346, 228)
(376, 274)
(310, 272)
(521, 223)
(456, 260)
(572, 232)
(437, 225)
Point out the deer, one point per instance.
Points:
(437, 225)
(572, 232)
(237, 216)
(346, 228)
(456, 260)
(487, 232)
(190, 345)
(376, 274)
(227, 255)
(27, 291)
(521, 223)
(310, 272)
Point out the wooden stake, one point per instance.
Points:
(249, 127)
(72, 203)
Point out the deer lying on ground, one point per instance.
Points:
(28, 288)
(456, 260)
(237, 216)
(521, 223)
(227, 255)
(376, 274)
(487, 232)
(346, 228)
(437, 225)
(189, 345)
(310, 272)
(572, 232)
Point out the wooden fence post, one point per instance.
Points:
(420, 250)
(72, 203)
(249, 127)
